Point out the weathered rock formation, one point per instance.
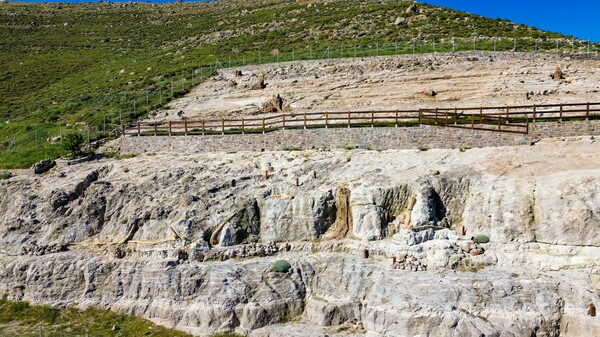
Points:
(190, 244)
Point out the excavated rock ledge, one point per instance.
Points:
(379, 242)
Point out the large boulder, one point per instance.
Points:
(43, 166)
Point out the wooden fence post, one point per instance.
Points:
(138, 127)
(587, 111)
(283, 121)
(242, 125)
(534, 112)
(349, 120)
(396, 118)
(561, 113)
(155, 128)
(304, 120)
(455, 116)
(263, 125)
(507, 115)
(222, 126)
(170, 128)
(203, 128)
(372, 117)
(185, 126)
(123, 130)
(326, 120)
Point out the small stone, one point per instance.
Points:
(400, 21)
(475, 252)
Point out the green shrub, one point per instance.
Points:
(5, 175)
(482, 238)
(281, 266)
(72, 142)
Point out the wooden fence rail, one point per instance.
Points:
(512, 119)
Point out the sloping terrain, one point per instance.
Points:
(469, 79)
(91, 66)
(64, 62)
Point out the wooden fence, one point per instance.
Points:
(512, 119)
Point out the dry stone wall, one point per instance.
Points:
(378, 138)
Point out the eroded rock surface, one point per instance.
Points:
(190, 244)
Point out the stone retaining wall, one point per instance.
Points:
(378, 138)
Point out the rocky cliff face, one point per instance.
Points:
(188, 241)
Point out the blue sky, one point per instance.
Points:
(580, 18)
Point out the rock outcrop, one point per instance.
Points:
(190, 244)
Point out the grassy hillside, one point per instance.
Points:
(22, 319)
(91, 62)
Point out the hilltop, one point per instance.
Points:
(78, 62)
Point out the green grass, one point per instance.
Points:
(106, 63)
(19, 147)
(23, 319)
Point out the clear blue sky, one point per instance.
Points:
(580, 18)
